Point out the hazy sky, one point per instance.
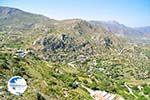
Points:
(129, 12)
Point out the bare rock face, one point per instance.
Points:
(63, 46)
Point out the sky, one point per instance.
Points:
(133, 13)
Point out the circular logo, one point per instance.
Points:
(17, 85)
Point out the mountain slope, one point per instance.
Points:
(122, 30)
(144, 30)
(13, 16)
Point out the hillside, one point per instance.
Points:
(67, 59)
(122, 30)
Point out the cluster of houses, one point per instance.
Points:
(102, 95)
(22, 52)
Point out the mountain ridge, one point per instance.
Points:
(121, 29)
(110, 26)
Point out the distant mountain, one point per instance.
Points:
(7, 12)
(15, 18)
(18, 19)
(143, 29)
(122, 30)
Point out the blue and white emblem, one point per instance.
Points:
(17, 85)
